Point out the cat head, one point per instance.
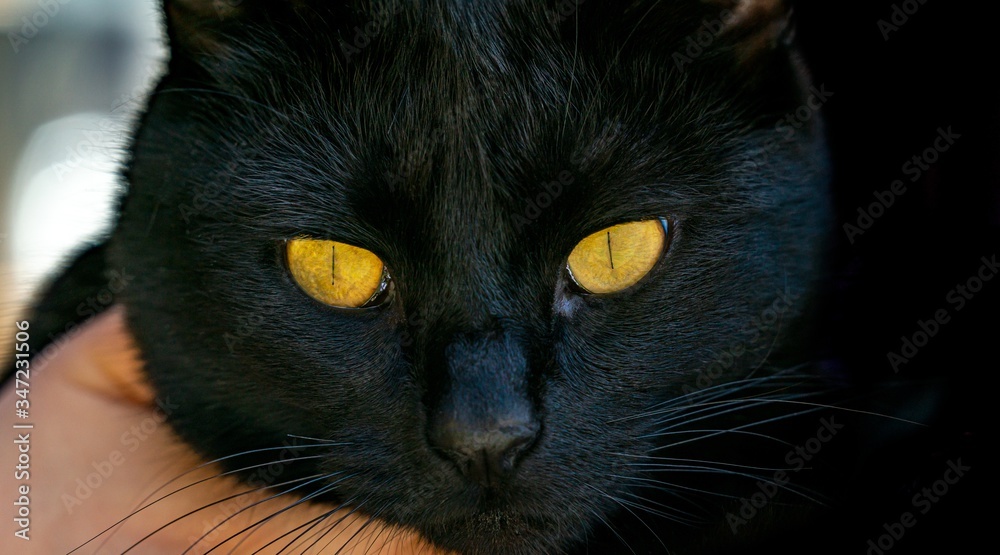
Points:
(471, 170)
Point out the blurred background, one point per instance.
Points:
(73, 74)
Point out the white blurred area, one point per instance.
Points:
(74, 75)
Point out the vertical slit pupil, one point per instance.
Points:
(333, 264)
(611, 257)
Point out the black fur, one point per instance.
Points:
(426, 141)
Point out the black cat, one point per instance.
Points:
(545, 271)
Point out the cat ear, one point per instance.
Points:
(755, 27)
(204, 26)
(685, 30)
(199, 26)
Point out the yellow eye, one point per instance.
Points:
(617, 257)
(335, 273)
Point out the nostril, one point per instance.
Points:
(507, 447)
(485, 456)
(519, 440)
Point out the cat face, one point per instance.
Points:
(500, 388)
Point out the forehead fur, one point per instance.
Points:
(449, 92)
(429, 127)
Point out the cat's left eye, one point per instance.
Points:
(617, 257)
(337, 274)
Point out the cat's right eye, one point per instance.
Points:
(337, 274)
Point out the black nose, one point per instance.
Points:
(484, 454)
(482, 417)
